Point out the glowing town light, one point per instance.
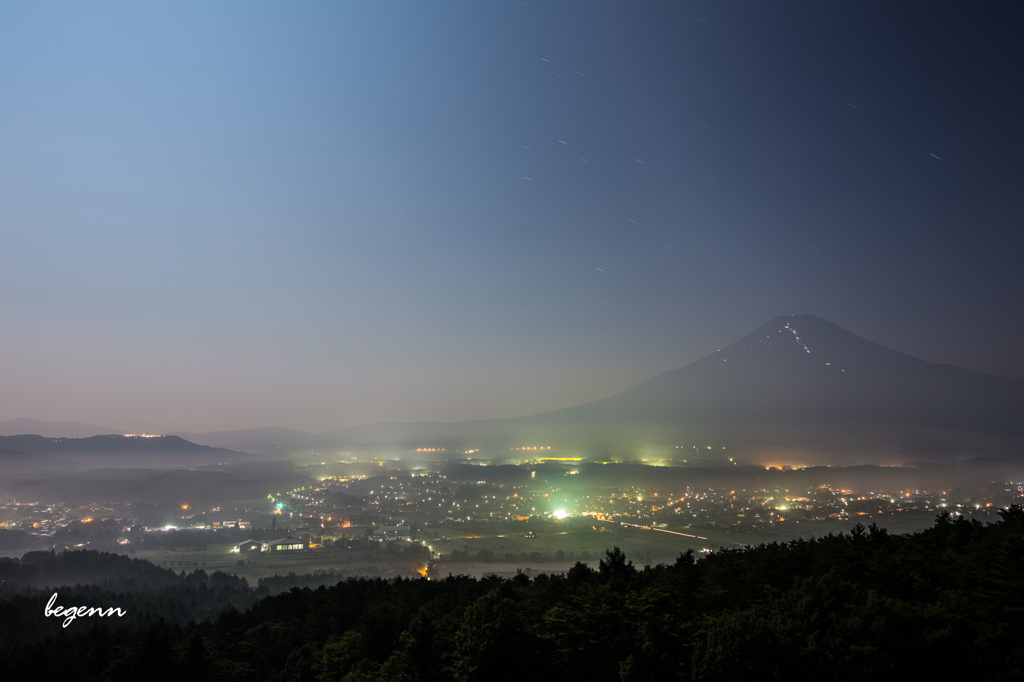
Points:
(560, 514)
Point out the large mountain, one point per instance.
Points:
(803, 368)
(799, 383)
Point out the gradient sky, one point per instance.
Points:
(314, 215)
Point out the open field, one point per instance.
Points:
(577, 536)
(261, 565)
(509, 543)
(568, 536)
(664, 545)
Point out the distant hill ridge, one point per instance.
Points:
(21, 426)
(108, 450)
(102, 444)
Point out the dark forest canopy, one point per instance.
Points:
(862, 605)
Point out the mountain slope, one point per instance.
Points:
(262, 440)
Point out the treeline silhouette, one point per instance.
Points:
(147, 593)
(942, 603)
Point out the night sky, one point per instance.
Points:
(230, 215)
